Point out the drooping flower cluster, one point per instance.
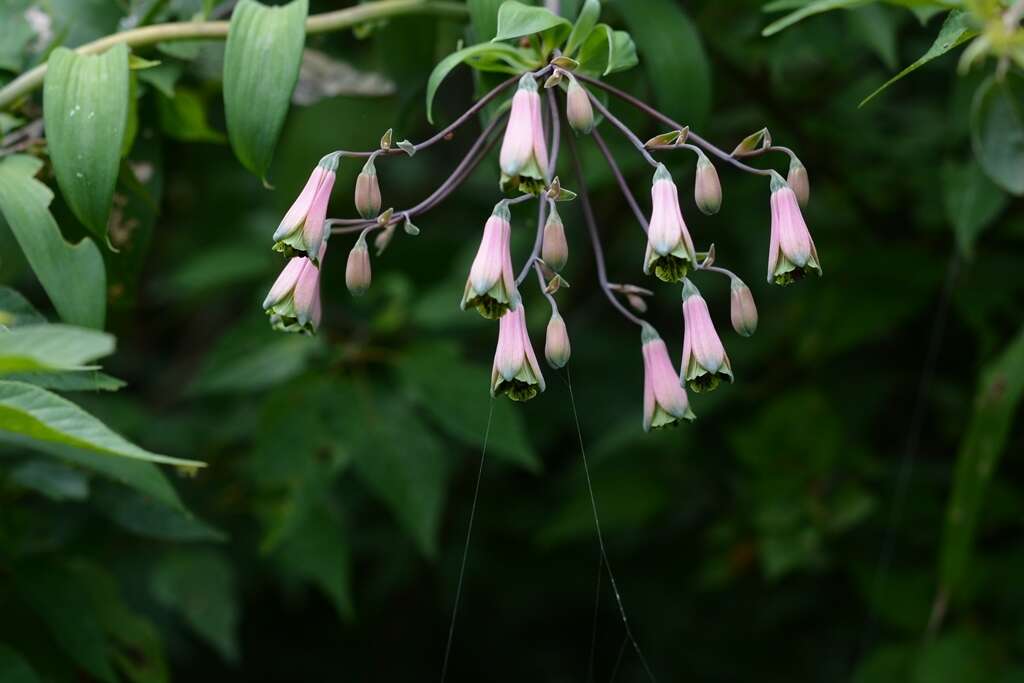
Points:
(526, 172)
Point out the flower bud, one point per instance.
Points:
(578, 109)
(742, 310)
(367, 197)
(798, 181)
(357, 271)
(637, 302)
(555, 249)
(707, 190)
(383, 238)
(556, 342)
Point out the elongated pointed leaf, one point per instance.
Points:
(996, 403)
(585, 23)
(482, 52)
(261, 67)
(516, 20)
(997, 131)
(955, 31)
(85, 108)
(483, 15)
(73, 275)
(15, 310)
(51, 348)
(29, 414)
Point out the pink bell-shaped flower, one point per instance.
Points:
(491, 286)
(705, 362)
(670, 253)
(791, 252)
(665, 400)
(516, 373)
(302, 231)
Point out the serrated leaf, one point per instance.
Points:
(475, 55)
(972, 203)
(516, 20)
(586, 20)
(995, 406)
(955, 31)
(29, 415)
(73, 275)
(444, 385)
(261, 67)
(200, 586)
(85, 109)
(997, 130)
(51, 348)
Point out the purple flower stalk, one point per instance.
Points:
(516, 373)
(524, 152)
(705, 362)
(491, 286)
(791, 252)
(665, 400)
(670, 253)
(293, 303)
(302, 231)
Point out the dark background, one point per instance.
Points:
(791, 533)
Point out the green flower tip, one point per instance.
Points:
(689, 289)
(778, 182)
(502, 212)
(648, 334)
(528, 83)
(330, 161)
(662, 173)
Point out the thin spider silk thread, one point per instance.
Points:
(593, 631)
(600, 536)
(465, 549)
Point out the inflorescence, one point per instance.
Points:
(528, 158)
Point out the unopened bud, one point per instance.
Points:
(742, 310)
(556, 342)
(383, 238)
(798, 181)
(357, 271)
(578, 109)
(637, 302)
(367, 197)
(707, 190)
(555, 249)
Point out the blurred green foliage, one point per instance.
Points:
(792, 533)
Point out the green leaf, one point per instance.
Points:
(15, 309)
(474, 55)
(995, 407)
(15, 35)
(516, 20)
(585, 23)
(261, 67)
(318, 552)
(51, 348)
(55, 481)
(55, 593)
(85, 109)
(483, 16)
(86, 380)
(607, 51)
(453, 392)
(955, 31)
(997, 131)
(672, 52)
(29, 415)
(14, 668)
(409, 473)
(72, 274)
(163, 77)
(200, 586)
(183, 117)
(973, 202)
(146, 517)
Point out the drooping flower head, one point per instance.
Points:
(516, 373)
(791, 252)
(665, 400)
(293, 303)
(491, 287)
(556, 342)
(302, 231)
(705, 362)
(670, 252)
(524, 152)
